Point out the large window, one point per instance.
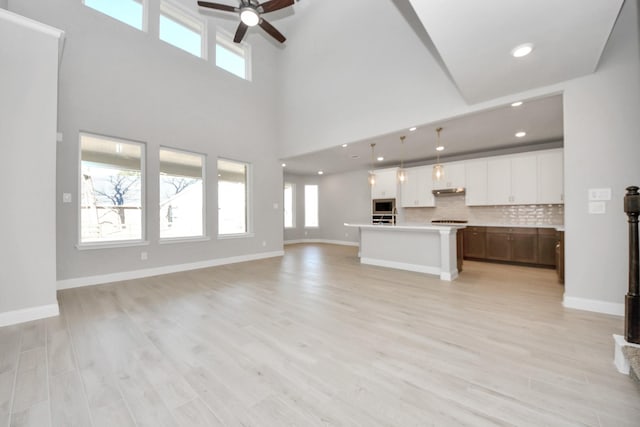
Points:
(289, 203)
(311, 206)
(181, 194)
(111, 189)
(233, 179)
(233, 57)
(182, 30)
(131, 12)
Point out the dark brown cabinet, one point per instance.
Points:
(498, 244)
(475, 242)
(547, 240)
(522, 245)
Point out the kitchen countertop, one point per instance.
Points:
(494, 224)
(409, 227)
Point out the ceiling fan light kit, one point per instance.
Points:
(250, 13)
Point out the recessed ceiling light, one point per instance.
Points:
(284, 165)
(320, 172)
(345, 145)
(522, 50)
(440, 148)
(380, 158)
(355, 156)
(521, 134)
(412, 129)
(516, 104)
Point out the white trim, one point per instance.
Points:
(402, 266)
(616, 309)
(110, 245)
(326, 241)
(28, 314)
(449, 276)
(79, 282)
(235, 236)
(170, 240)
(30, 23)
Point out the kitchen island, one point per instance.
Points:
(427, 249)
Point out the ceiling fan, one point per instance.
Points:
(250, 11)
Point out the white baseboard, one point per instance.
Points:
(28, 314)
(617, 309)
(148, 272)
(325, 241)
(402, 266)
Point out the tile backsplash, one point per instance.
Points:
(453, 207)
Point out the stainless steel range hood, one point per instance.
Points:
(449, 192)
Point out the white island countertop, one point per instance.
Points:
(427, 249)
(409, 227)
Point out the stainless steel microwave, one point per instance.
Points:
(384, 206)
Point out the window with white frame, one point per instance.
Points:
(289, 205)
(181, 194)
(182, 30)
(233, 197)
(311, 206)
(233, 57)
(131, 12)
(111, 189)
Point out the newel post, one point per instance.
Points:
(632, 299)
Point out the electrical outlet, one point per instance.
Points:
(144, 256)
(346, 234)
(264, 243)
(305, 233)
(66, 197)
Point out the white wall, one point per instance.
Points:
(4, 4)
(28, 84)
(362, 73)
(118, 81)
(602, 150)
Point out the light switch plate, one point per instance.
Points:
(597, 208)
(599, 194)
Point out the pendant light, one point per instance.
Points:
(402, 174)
(438, 170)
(372, 175)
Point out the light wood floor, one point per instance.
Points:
(316, 339)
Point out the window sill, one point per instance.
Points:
(170, 240)
(235, 236)
(309, 227)
(111, 245)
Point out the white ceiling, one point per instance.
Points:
(481, 132)
(568, 36)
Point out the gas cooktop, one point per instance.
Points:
(449, 221)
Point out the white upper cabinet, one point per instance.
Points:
(524, 180)
(550, 177)
(499, 181)
(476, 182)
(417, 189)
(512, 180)
(453, 176)
(386, 186)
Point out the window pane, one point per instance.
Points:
(230, 61)
(310, 205)
(128, 11)
(111, 189)
(181, 194)
(289, 219)
(180, 34)
(232, 197)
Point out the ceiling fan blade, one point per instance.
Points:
(272, 31)
(273, 5)
(240, 32)
(217, 6)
